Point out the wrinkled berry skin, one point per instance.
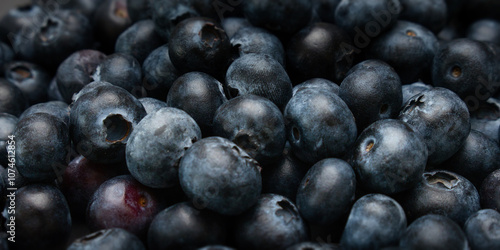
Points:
(12, 99)
(123, 202)
(389, 157)
(319, 125)
(159, 73)
(182, 226)
(30, 78)
(248, 40)
(102, 120)
(139, 40)
(319, 50)
(482, 229)
(275, 15)
(200, 95)
(217, 174)
(372, 91)
(434, 231)
(8, 124)
(113, 238)
(410, 90)
(58, 109)
(152, 105)
(122, 70)
(41, 214)
(200, 44)
(261, 75)
(441, 192)
(255, 124)
(441, 118)
(42, 147)
(158, 143)
(375, 221)
(490, 191)
(76, 71)
(273, 223)
(326, 192)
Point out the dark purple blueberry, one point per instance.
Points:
(308, 245)
(139, 40)
(158, 143)
(42, 218)
(76, 71)
(200, 44)
(326, 192)
(482, 229)
(410, 90)
(432, 14)
(272, 223)
(19, 19)
(86, 7)
(441, 118)
(389, 157)
(53, 93)
(277, 15)
(372, 91)
(122, 70)
(476, 159)
(200, 95)
(152, 105)
(6, 55)
(376, 221)
(8, 124)
(82, 178)
(319, 50)
(319, 125)
(58, 109)
(102, 120)
(255, 124)
(30, 78)
(12, 99)
(485, 30)
(232, 24)
(122, 202)
(166, 14)
(109, 21)
(441, 192)
(183, 226)
(259, 75)
(159, 73)
(490, 191)
(42, 147)
(319, 83)
(257, 40)
(486, 119)
(110, 239)
(139, 10)
(217, 174)
(434, 231)
(409, 48)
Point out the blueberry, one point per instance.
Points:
(326, 192)
(123, 202)
(138, 10)
(182, 226)
(110, 19)
(76, 71)
(272, 223)
(432, 14)
(319, 83)
(255, 124)
(467, 68)
(283, 177)
(217, 174)
(12, 99)
(200, 44)
(166, 14)
(486, 118)
(434, 232)
(53, 93)
(441, 118)
(139, 40)
(276, 15)
(111, 239)
(200, 95)
(490, 191)
(8, 124)
(41, 214)
(319, 125)
(58, 109)
(325, 9)
(102, 120)
(319, 50)
(482, 229)
(409, 48)
(6, 55)
(375, 221)
(82, 178)
(476, 159)
(259, 75)
(307, 245)
(152, 105)
(159, 73)
(86, 7)
(30, 78)
(216, 247)
(42, 147)
(122, 70)
(19, 19)
(485, 30)
(232, 24)
(410, 90)
(441, 192)
(372, 91)
(158, 143)
(247, 40)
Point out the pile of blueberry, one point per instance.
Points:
(250, 124)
